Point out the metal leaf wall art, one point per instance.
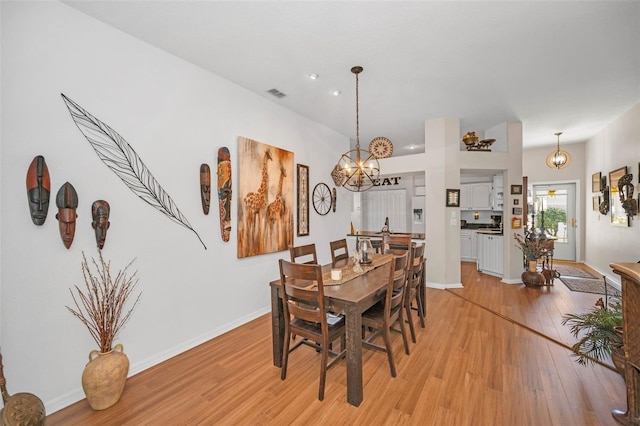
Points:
(120, 157)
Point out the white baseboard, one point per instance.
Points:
(444, 286)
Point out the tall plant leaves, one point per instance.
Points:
(121, 158)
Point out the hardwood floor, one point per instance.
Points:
(483, 359)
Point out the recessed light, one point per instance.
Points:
(336, 93)
(313, 76)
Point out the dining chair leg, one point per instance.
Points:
(387, 341)
(410, 321)
(420, 313)
(323, 369)
(404, 334)
(285, 354)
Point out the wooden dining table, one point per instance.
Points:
(350, 299)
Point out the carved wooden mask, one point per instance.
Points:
(38, 190)
(67, 202)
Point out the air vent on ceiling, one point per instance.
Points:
(276, 93)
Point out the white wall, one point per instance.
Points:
(176, 116)
(615, 146)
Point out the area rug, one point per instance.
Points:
(588, 286)
(571, 271)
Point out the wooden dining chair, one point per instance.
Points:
(304, 254)
(302, 292)
(395, 242)
(379, 319)
(412, 292)
(339, 251)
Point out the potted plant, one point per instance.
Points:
(532, 250)
(101, 305)
(599, 333)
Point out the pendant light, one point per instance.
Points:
(558, 159)
(357, 170)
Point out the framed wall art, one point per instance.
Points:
(516, 189)
(596, 181)
(596, 202)
(453, 198)
(618, 215)
(303, 200)
(265, 201)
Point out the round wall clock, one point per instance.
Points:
(321, 199)
(381, 147)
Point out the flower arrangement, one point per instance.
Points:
(532, 249)
(101, 304)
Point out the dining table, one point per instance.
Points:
(351, 297)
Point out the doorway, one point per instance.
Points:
(553, 211)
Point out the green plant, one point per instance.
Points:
(596, 332)
(101, 307)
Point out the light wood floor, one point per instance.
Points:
(483, 359)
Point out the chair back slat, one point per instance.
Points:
(339, 251)
(395, 242)
(304, 254)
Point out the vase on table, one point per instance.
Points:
(104, 377)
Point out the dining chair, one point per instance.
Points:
(379, 319)
(303, 304)
(412, 292)
(395, 242)
(304, 254)
(339, 251)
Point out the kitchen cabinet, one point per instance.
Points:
(497, 199)
(468, 245)
(490, 254)
(476, 196)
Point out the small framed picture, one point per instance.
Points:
(516, 189)
(596, 202)
(517, 210)
(516, 201)
(453, 198)
(596, 181)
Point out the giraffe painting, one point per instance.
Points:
(275, 209)
(264, 227)
(255, 201)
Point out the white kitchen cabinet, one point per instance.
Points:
(476, 196)
(468, 245)
(497, 198)
(490, 254)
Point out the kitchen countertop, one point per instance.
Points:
(379, 234)
(489, 231)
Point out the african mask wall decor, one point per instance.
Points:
(205, 187)
(100, 211)
(67, 202)
(625, 189)
(38, 190)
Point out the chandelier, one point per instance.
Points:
(558, 159)
(357, 170)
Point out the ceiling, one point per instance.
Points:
(569, 66)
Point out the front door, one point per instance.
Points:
(554, 212)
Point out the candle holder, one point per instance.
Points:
(366, 250)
